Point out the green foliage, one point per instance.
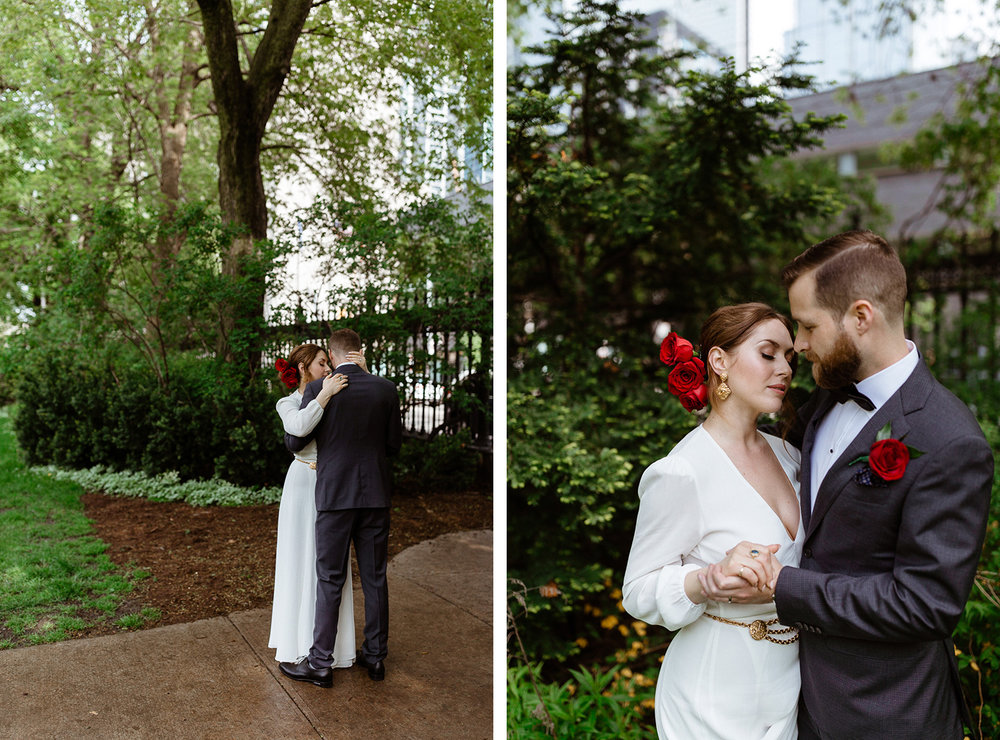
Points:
(162, 487)
(54, 575)
(579, 436)
(977, 637)
(603, 704)
(138, 620)
(210, 423)
(441, 463)
(641, 190)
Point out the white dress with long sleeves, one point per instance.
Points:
(294, 607)
(715, 680)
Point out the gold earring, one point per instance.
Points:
(723, 390)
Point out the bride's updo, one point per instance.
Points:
(304, 353)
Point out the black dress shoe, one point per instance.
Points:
(302, 671)
(376, 670)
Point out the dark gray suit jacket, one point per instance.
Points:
(886, 572)
(360, 429)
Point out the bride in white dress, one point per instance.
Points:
(294, 606)
(722, 484)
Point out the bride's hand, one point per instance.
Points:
(332, 385)
(745, 575)
(358, 358)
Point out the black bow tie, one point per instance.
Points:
(851, 393)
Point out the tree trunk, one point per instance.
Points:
(244, 103)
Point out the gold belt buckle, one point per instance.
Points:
(758, 630)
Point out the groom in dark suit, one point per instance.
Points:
(892, 531)
(354, 440)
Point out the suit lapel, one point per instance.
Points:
(910, 397)
(805, 471)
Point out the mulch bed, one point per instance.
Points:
(211, 561)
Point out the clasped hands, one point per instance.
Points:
(747, 575)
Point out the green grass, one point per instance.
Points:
(55, 578)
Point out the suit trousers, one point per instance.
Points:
(335, 530)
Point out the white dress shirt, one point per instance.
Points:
(844, 421)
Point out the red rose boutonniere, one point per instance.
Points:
(687, 374)
(886, 461)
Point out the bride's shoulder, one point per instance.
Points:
(679, 464)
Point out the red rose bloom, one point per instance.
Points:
(695, 400)
(289, 373)
(675, 349)
(888, 459)
(686, 377)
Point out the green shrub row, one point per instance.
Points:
(163, 487)
(209, 423)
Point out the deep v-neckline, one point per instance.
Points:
(750, 485)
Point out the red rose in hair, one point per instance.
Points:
(289, 373)
(695, 400)
(686, 376)
(675, 349)
(888, 459)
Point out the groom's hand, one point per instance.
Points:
(745, 576)
(358, 358)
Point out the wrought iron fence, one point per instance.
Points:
(441, 368)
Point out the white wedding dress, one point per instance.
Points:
(715, 680)
(294, 607)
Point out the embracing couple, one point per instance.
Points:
(815, 571)
(342, 424)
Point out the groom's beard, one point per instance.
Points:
(840, 366)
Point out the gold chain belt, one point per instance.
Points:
(760, 630)
(312, 465)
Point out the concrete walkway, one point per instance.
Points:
(217, 679)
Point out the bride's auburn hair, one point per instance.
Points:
(728, 327)
(304, 353)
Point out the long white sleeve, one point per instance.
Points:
(298, 422)
(668, 526)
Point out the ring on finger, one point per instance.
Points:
(742, 568)
(754, 554)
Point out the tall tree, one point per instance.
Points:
(244, 102)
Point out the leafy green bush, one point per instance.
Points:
(441, 463)
(163, 487)
(208, 423)
(577, 442)
(611, 704)
(977, 637)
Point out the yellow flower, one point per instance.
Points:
(647, 703)
(623, 630)
(581, 641)
(627, 672)
(616, 594)
(609, 622)
(639, 628)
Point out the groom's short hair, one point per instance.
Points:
(343, 341)
(851, 266)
